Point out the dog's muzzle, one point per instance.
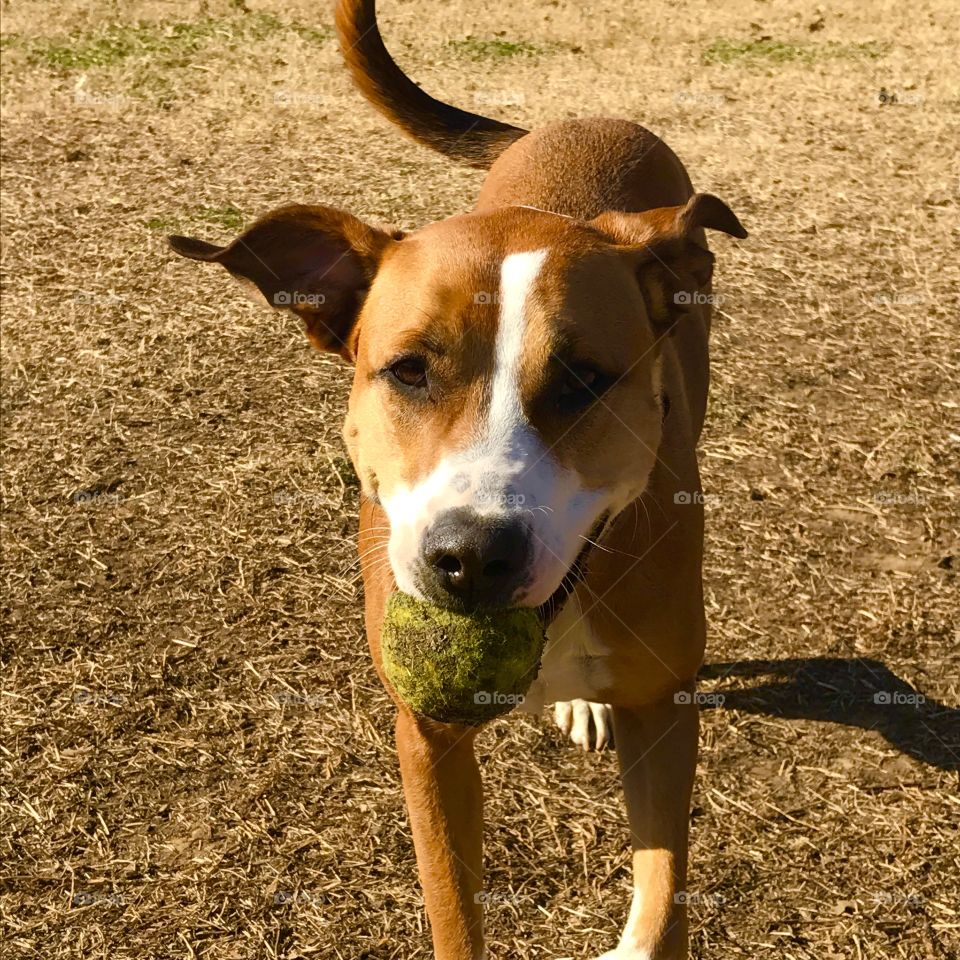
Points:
(470, 561)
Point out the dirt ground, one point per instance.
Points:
(198, 758)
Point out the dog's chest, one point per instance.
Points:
(574, 664)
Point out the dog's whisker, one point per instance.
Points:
(361, 556)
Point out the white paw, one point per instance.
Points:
(589, 725)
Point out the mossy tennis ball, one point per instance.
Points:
(459, 668)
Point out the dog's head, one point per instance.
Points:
(506, 394)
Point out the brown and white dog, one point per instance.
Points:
(530, 381)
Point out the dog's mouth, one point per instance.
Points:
(578, 570)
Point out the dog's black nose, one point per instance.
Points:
(476, 561)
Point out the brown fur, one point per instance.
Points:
(461, 136)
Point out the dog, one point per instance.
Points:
(530, 381)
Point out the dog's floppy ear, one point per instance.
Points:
(313, 260)
(671, 265)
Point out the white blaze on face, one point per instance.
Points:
(506, 422)
(506, 471)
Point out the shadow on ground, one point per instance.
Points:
(855, 692)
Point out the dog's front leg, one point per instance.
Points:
(441, 783)
(657, 748)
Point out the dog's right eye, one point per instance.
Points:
(410, 372)
(580, 386)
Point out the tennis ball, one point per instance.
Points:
(459, 668)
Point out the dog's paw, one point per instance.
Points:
(588, 725)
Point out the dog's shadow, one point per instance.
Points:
(855, 692)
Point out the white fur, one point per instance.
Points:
(573, 666)
(506, 424)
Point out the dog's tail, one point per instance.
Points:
(462, 136)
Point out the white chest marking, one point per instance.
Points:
(573, 665)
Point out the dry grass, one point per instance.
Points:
(198, 756)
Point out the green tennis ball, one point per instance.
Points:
(459, 668)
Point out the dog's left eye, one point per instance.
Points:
(410, 372)
(580, 386)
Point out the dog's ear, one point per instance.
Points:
(665, 247)
(313, 260)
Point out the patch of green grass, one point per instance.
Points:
(776, 51)
(317, 35)
(116, 43)
(159, 223)
(162, 42)
(495, 49)
(229, 217)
